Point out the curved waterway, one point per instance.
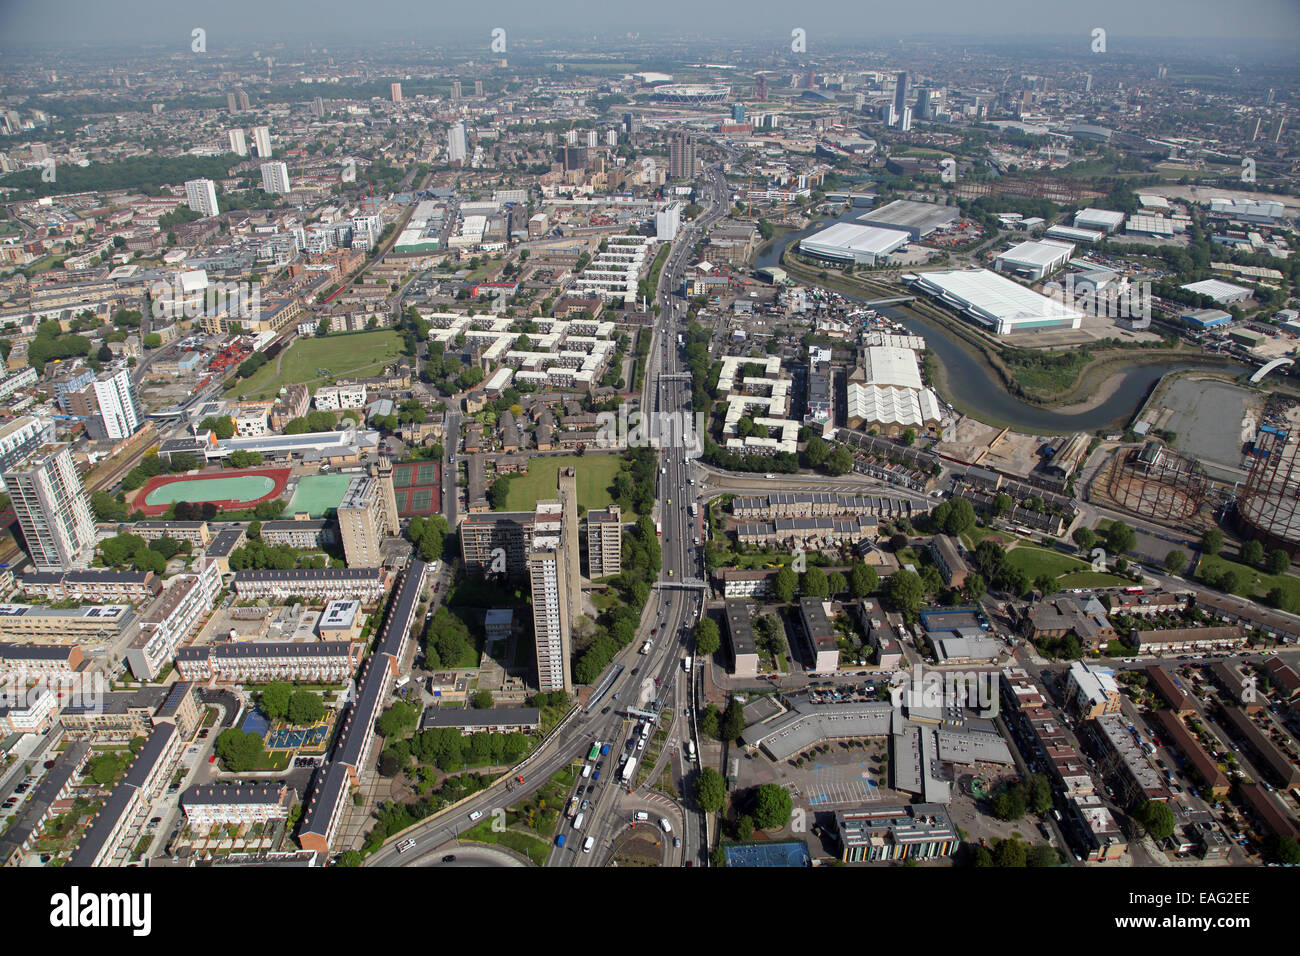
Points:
(973, 386)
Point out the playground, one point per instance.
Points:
(228, 490)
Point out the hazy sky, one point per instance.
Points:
(69, 23)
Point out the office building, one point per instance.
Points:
(457, 147)
(275, 178)
(682, 163)
(604, 542)
(238, 143)
(366, 515)
(201, 196)
(53, 510)
(395, 91)
(262, 141)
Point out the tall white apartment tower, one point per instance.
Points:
(238, 144)
(53, 510)
(548, 574)
(457, 147)
(395, 91)
(119, 406)
(262, 141)
(275, 178)
(201, 196)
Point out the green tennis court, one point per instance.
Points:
(238, 488)
(318, 495)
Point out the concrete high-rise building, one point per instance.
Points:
(552, 548)
(457, 147)
(593, 139)
(243, 101)
(262, 141)
(366, 515)
(568, 484)
(681, 156)
(900, 92)
(478, 87)
(571, 137)
(455, 91)
(201, 196)
(232, 103)
(923, 109)
(318, 108)
(604, 542)
(574, 157)
(110, 406)
(496, 542)
(1087, 82)
(905, 121)
(395, 91)
(760, 88)
(738, 112)
(611, 137)
(238, 144)
(53, 510)
(275, 178)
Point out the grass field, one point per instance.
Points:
(1036, 561)
(595, 475)
(1212, 566)
(1090, 579)
(359, 354)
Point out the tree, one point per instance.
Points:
(707, 637)
(305, 708)
(1252, 553)
(1009, 853)
(836, 583)
(1156, 818)
(1279, 562)
(238, 751)
(816, 452)
(814, 583)
(274, 700)
(840, 461)
(1120, 537)
(904, 591)
(784, 585)
(1212, 541)
(223, 426)
(733, 720)
(745, 828)
(974, 587)
(1043, 855)
(483, 699)
(1085, 538)
(961, 517)
(772, 807)
(863, 580)
(709, 722)
(1287, 850)
(1175, 561)
(1002, 503)
(710, 790)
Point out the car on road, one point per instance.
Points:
(677, 841)
(449, 858)
(476, 814)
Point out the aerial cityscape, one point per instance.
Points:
(731, 444)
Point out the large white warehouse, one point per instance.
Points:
(848, 242)
(1033, 260)
(996, 302)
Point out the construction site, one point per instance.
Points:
(1154, 482)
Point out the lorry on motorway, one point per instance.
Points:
(629, 769)
(695, 508)
(595, 751)
(659, 528)
(645, 648)
(690, 749)
(686, 663)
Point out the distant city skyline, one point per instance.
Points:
(137, 22)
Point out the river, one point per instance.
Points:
(974, 386)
